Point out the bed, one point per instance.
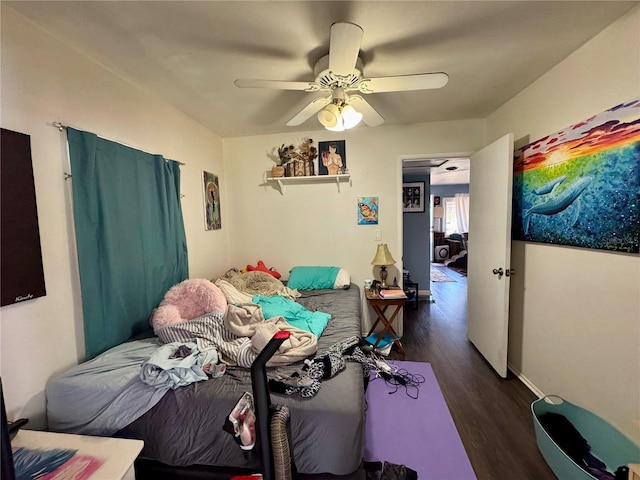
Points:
(184, 427)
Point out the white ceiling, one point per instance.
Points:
(190, 52)
(442, 171)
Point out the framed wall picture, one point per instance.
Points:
(367, 210)
(211, 201)
(579, 186)
(332, 157)
(413, 197)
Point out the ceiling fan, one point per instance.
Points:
(339, 75)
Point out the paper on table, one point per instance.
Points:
(392, 293)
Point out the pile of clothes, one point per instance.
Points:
(576, 447)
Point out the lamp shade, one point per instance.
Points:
(350, 117)
(339, 117)
(338, 128)
(329, 115)
(383, 256)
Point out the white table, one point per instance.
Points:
(118, 454)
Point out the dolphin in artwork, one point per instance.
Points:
(559, 202)
(549, 186)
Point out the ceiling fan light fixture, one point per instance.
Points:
(339, 117)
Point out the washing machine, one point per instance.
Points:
(441, 253)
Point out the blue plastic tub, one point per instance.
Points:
(607, 443)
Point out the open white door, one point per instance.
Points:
(490, 190)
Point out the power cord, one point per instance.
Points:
(400, 377)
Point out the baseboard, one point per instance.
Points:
(425, 296)
(536, 391)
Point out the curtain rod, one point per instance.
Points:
(60, 126)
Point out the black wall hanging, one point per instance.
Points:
(21, 272)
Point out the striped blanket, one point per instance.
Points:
(240, 334)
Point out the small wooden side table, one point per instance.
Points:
(380, 306)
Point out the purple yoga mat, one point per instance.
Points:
(418, 433)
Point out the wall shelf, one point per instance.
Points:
(283, 181)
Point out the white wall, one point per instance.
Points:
(575, 313)
(313, 223)
(45, 81)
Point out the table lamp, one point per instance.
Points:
(383, 258)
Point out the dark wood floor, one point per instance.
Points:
(492, 414)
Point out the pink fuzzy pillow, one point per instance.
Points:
(187, 300)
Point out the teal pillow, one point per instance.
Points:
(312, 278)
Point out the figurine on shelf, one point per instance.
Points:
(306, 154)
(284, 157)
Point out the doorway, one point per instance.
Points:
(444, 176)
(488, 322)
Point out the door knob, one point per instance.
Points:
(499, 272)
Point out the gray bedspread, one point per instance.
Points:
(101, 396)
(184, 426)
(327, 430)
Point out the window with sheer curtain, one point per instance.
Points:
(456, 213)
(462, 212)
(129, 233)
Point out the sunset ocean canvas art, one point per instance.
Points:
(581, 186)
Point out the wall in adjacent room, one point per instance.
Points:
(575, 313)
(417, 239)
(43, 81)
(449, 190)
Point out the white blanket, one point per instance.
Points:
(241, 335)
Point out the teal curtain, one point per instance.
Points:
(129, 233)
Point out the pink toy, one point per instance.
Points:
(187, 300)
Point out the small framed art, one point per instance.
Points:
(413, 197)
(211, 201)
(367, 210)
(332, 159)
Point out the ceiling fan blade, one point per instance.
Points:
(369, 115)
(401, 83)
(313, 107)
(277, 84)
(344, 47)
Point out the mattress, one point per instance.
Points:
(327, 430)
